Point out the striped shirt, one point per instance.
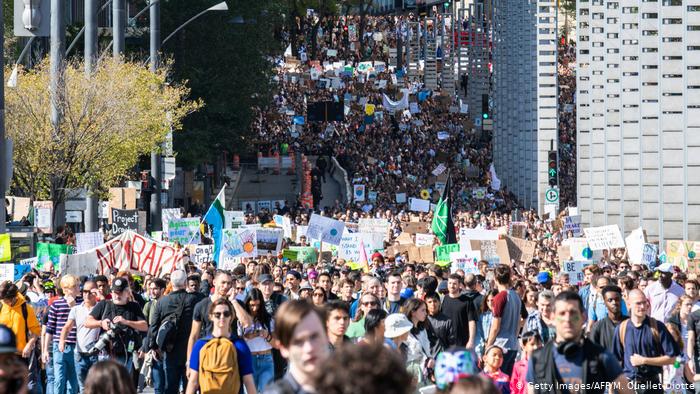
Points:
(58, 316)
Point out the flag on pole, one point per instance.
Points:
(215, 218)
(443, 226)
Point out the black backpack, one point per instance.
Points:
(165, 337)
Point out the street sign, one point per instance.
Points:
(552, 196)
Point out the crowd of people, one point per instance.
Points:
(567, 121)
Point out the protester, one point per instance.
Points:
(441, 324)
(368, 302)
(459, 308)
(258, 337)
(507, 315)
(540, 320)
(63, 359)
(397, 330)
(664, 293)
(337, 322)
(529, 341)
(492, 362)
(603, 330)
(108, 377)
(375, 327)
(421, 343)
(14, 375)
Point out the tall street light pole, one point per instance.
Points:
(57, 53)
(91, 215)
(156, 176)
(118, 27)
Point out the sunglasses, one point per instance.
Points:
(218, 314)
(318, 294)
(369, 303)
(240, 288)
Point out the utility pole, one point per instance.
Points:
(118, 27)
(57, 54)
(156, 175)
(91, 218)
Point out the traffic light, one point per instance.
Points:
(552, 169)
(485, 106)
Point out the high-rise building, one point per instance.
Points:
(638, 116)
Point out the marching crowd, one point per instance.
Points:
(567, 121)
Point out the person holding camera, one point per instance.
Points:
(122, 322)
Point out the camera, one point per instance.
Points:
(108, 337)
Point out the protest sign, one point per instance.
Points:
(349, 248)
(201, 253)
(424, 239)
(167, 214)
(300, 231)
(184, 231)
(49, 255)
(573, 224)
(7, 272)
(325, 229)
(285, 223)
(359, 192)
(635, 245)
(518, 229)
(520, 249)
(19, 207)
(124, 220)
(467, 261)
(404, 239)
(477, 234)
(231, 246)
(579, 250)
(249, 242)
(234, 219)
(418, 205)
(651, 252)
(495, 252)
(684, 254)
(43, 216)
(439, 169)
(479, 193)
(121, 198)
(400, 198)
(604, 237)
(415, 227)
(305, 254)
(380, 226)
(87, 241)
(21, 270)
(5, 248)
(290, 255)
(575, 271)
(442, 252)
(129, 252)
(269, 240)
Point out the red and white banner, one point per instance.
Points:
(127, 252)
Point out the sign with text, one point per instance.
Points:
(415, 227)
(168, 214)
(477, 234)
(269, 240)
(651, 252)
(87, 241)
(520, 249)
(202, 254)
(684, 254)
(124, 220)
(604, 237)
(325, 229)
(575, 271)
(635, 245)
(380, 226)
(184, 231)
(442, 252)
(573, 224)
(467, 261)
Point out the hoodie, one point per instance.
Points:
(12, 317)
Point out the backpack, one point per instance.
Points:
(165, 337)
(218, 367)
(653, 324)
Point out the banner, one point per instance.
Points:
(49, 255)
(269, 240)
(124, 220)
(325, 229)
(184, 231)
(359, 192)
(392, 106)
(168, 214)
(87, 241)
(5, 249)
(635, 245)
(128, 252)
(604, 237)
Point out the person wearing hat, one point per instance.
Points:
(273, 301)
(664, 293)
(305, 291)
(14, 376)
(396, 329)
(127, 314)
(544, 279)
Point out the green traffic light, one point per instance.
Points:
(485, 116)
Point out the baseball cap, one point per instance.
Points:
(265, 278)
(8, 340)
(119, 285)
(294, 274)
(665, 268)
(543, 277)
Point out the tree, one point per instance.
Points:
(109, 119)
(363, 8)
(568, 8)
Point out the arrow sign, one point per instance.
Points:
(552, 172)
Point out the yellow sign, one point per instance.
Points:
(684, 254)
(5, 252)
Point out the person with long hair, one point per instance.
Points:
(319, 296)
(258, 337)
(420, 359)
(678, 327)
(368, 301)
(484, 324)
(221, 313)
(108, 377)
(374, 327)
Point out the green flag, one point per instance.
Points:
(443, 226)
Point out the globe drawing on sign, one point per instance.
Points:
(587, 253)
(248, 247)
(334, 232)
(691, 254)
(358, 192)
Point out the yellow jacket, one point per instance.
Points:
(11, 316)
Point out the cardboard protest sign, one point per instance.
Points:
(424, 239)
(415, 227)
(7, 272)
(201, 254)
(325, 229)
(269, 240)
(520, 249)
(87, 241)
(19, 207)
(467, 261)
(305, 254)
(418, 205)
(604, 237)
(404, 239)
(564, 253)
(684, 254)
(518, 229)
(124, 220)
(495, 252)
(5, 249)
(651, 252)
(573, 224)
(168, 214)
(184, 231)
(442, 252)
(635, 245)
(380, 226)
(129, 252)
(43, 216)
(121, 198)
(49, 255)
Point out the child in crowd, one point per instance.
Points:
(530, 341)
(491, 362)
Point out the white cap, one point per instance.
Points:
(396, 325)
(665, 267)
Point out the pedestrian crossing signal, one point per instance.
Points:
(552, 168)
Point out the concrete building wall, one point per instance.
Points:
(525, 95)
(638, 103)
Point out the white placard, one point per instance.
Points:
(285, 223)
(604, 237)
(325, 229)
(168, 214)
(234, 219)
(87, 241)
(74, 216)
(477, 234)
(301, 231)
(379, 226)
(359, 192)
(7, 272)
(467, 261)
(269, 240)
(202, 254)
(418, 205)
(424, 239)
(42, 217)
(575, 271)
(635, 245)
(400, 198)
